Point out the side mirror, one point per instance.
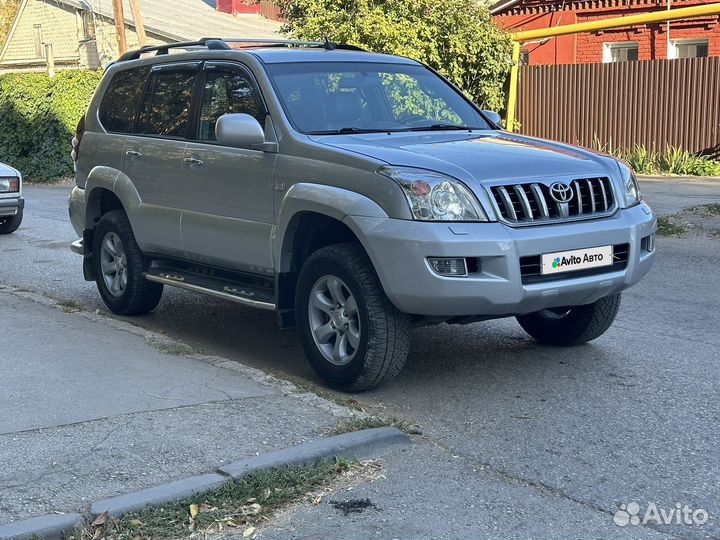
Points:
(239, 131)
(494, 117)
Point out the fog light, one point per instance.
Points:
(448, 267)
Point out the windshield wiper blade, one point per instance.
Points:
(441, 127)
(348, 130)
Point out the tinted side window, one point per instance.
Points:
(166, 109)
(227, 92)
(120, 103)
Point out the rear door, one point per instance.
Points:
(153, 155)
(228, 192)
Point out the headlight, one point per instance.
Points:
(433, 196)
(9, 185)
(630, 185)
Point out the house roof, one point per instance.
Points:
(502, 5)
(186, 19)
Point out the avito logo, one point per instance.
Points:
(574, 259)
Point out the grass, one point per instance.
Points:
(174, 349)
(69, 306)
(712, 209)
(667, 228)
(357, 424)
(236, 505)
(306, 386)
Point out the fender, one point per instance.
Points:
(331, 201)
(117, 183)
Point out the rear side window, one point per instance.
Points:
(166, 109)
(120, 103)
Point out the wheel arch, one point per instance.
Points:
(108, 189)
(311, 217)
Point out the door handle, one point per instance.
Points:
(193, 161)
(133, 154)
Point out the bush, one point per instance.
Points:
(455, 37)
(672, 160)
(38, 116)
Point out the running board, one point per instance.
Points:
(232, 291)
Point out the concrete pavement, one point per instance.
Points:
(92, 409)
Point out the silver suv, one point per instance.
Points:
(357, 195)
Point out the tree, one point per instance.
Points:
(8, 9)
(455, 37)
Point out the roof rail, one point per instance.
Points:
(219, 44)
(210, 43)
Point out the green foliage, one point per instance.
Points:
(642, 160)
(455, 37)
(8, 9)
(672, 160)
(38, 116)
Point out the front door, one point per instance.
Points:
(227, 214)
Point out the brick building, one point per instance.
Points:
(266, 8)
(688, 38)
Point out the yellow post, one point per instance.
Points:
(512, 94)
(593, 26)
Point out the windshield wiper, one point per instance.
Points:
(348, 130)
(441, 127)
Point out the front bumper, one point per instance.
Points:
(11, 206)
(399, 250)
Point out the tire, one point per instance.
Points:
(9, 225)
(572, 325)
(134, 294)
(376, 336)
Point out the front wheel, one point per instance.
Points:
(572, 325)
(353, 336)
(10, 224)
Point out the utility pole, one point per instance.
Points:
(120, 26)
(139, 25)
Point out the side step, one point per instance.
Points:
(235, 291)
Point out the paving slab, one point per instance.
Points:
(92, 411)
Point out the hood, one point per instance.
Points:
(7, 170)
(484, 156)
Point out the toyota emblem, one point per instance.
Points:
(561, 192)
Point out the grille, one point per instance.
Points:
(530, 267)
(531, 202)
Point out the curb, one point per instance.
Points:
(48, 527)
(356, 445)
(362, 444)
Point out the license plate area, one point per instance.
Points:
(576, 259)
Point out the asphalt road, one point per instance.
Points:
(518, 439)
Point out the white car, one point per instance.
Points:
(11, 201)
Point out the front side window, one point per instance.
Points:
(351, 97)
(120, 103)
(227, 92)
(166, 109)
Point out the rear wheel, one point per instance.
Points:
(10, 224)
(353, 336)
(120, 268)
(572, 325)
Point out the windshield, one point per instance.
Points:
(351, 97)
